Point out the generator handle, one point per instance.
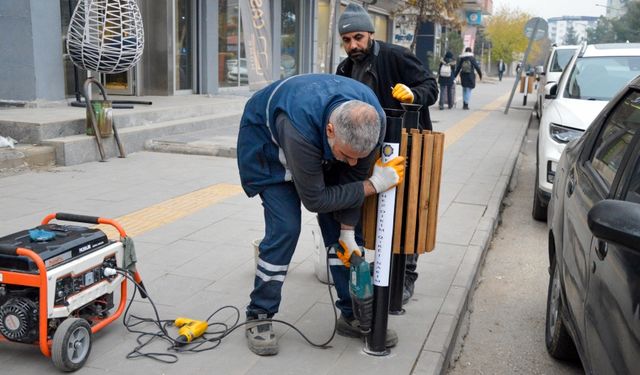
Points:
(77, 218)
(84, 219)
(6, 249)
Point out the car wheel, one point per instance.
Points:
(539, 210)
(559, 343)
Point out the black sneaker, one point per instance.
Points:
(407, 292)
(261, 338)
(351, 328)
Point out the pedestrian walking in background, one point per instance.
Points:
(310, 139)
(501, 68)
(465, 67)
(395, 75)
(446, 80)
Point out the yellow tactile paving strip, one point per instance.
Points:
(456, 132)
(166, 212)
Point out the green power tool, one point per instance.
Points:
(361, 291)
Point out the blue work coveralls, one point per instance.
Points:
(307, 101)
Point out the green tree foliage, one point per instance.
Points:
(623, 29)
(505, 29)
(602, 32)
(442, 12)
(570, 37)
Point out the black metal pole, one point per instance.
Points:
(375, 341)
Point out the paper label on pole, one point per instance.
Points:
(384, 224)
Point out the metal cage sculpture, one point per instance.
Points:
(106, 36)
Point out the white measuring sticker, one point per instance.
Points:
(384, 225)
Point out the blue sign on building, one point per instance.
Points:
(474, 17)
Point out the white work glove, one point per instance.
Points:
(402, 93)
(348, 243)
(387, 175)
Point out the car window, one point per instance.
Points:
(600, 78)
(561, 58)
(633, 192)
(615, 137)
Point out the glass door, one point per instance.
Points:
(184, 46)
(232, 62)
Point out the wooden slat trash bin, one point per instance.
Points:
(416, 212)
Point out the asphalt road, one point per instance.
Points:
(505, 327)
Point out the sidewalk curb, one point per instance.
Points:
(444, 334)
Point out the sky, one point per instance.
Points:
(555, 8)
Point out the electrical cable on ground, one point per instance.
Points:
(198, 345)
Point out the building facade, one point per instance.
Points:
(191, 46)
(558, 27)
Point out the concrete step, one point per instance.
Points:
(37, 124)
(25, 157)
(77, 149)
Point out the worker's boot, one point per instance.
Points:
(350, 327)
(260, 336)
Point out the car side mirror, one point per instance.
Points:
(540, 70)
(551, 90)
(617, 222)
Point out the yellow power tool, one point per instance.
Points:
(190, 329)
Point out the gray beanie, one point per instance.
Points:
(355, 18)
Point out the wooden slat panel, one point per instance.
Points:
(399, 214)
(414, 187)
(436, 176)
(425, 190)
(369, 215)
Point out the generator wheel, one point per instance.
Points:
(71, 344)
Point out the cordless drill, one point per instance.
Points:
(361, 291)
(190, 329)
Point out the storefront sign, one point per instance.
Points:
(474, 18)
(257, 41)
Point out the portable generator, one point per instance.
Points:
(57, 285)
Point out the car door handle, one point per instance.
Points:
(571, 183)
(601, 249)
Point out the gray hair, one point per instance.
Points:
(357, 124)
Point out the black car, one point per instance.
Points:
(593, 303)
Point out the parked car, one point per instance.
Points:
(237, 71)
(557, 60)
(594, 74)
(593, 302)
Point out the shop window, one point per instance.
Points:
(232, 62)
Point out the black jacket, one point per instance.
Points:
(468, 79)
(392, 64)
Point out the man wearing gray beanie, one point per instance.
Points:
(396, 76)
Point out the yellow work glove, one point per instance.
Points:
(387, 175)
(402, 93)
(348, 243)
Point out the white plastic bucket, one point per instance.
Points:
(320, 255)
(256, 250)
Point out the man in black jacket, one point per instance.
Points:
(394, 74)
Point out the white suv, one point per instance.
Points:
(592, 77)
(558, 58)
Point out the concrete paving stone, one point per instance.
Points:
(222, 232)
(429, 363)
(167, 234)
(17, 358)
(456, 175)
(444, 254)
(435, 279)
(241, 278)
(214, 262)
(458, 223)
(481, 238)
(175, 254)
(448, 195)
(441, 333)
(175, 288)
(466, 275)
(455, 301)
(477, 193)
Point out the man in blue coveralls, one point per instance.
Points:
(310, 139)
